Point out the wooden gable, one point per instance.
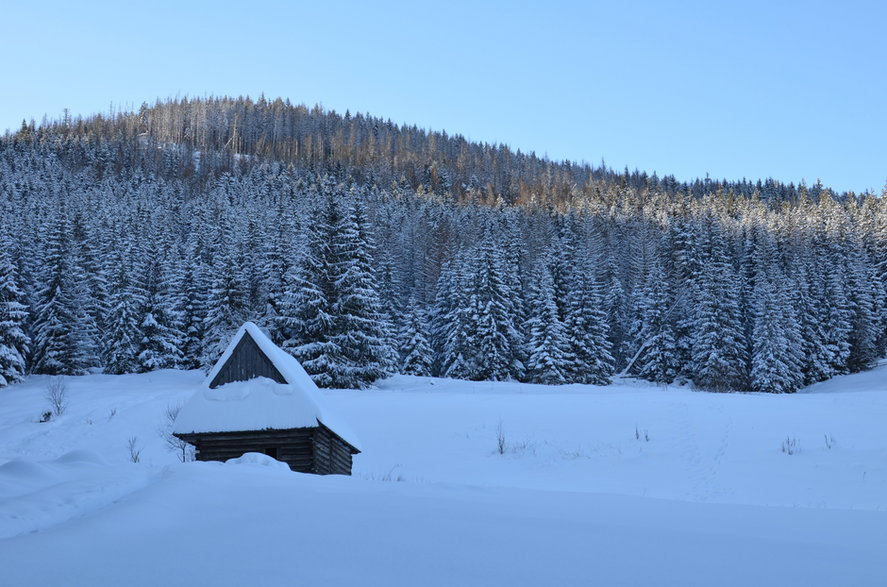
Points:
(245, 363)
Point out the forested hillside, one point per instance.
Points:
(139, 241)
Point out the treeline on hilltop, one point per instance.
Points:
(130, 249)
(229, 132)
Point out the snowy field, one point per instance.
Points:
(630, 484)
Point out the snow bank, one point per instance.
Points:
(221, 525)
(256, 459)
(38, 495)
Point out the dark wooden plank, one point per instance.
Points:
(308, 450)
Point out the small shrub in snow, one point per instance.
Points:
(639, 434)
(524, 446)
(575, 454)
(135, 451)
(390, 476)
(791, 445)
(829, 441)
(111, 414)
(57, 395)
(503, 445)
(172, 412)
(182, 449)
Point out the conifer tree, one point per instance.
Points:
(160, 339)
(450, 323)
(837, 320)
(587, 329)
(122, 329)
(866, 299)
(616, 308)
(13, 315)
(549, 362)
(189, 304)
(491, 310)
(281, 258)
(514, 278)
(226, 305)
(415, 352)
(656, 354)
(362, 331)
(95, 252)
(718, 341)
(774, 367)
(62, 329)
(307, 315)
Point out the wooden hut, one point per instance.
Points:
(258, 398)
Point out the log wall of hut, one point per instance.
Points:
(295, 447)
(245, 363)
(332, 456)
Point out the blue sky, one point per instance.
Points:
(789, 90)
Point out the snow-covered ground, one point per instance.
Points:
(630, 484)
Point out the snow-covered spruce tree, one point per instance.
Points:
(774, 367)
(874, 236)
(791, 326)
(363, 330)
(189, 281)
(587, 328)
(807, 301)
(281, 257)
(836, 315)
(563, 264)
(256, 246)
(95, 253)
(830, 279)
(549, 361)
(616, 308)
(122, 333)
(13, 315)
(390, 258)
(683, 266)
(415, 352)
(655, 357)
(226, 304)
(718, 341)
(86, 331)
(62, 328)
(491, 308)
(450, 321)
(305, 319)
(866, 297)
(515, 250)
(160, 339)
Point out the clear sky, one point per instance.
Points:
(751, 89)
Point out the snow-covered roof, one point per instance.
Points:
(260, 403)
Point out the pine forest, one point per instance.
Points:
(136, 241)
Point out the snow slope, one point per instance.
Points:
(580, 495)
